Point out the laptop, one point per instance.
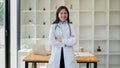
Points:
(42, 47)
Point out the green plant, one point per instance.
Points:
(25, 46)
(1, 11)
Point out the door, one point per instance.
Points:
(4, 34)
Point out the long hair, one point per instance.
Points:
(57, 12)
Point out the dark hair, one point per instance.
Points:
(58, 10)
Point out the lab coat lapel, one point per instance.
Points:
(64, 28)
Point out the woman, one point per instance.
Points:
(62, 37)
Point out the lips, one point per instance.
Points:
(64, 17)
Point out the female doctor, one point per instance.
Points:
(62, 38)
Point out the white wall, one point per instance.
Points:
(13, 34)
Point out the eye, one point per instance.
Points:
(61, 13)
(65, 12)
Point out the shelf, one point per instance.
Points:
(85, 4)
(83, 25)
(114, 65)
(114, 4)
(43, 18)
(28, 5)
(38, 25)
(73, 10)
(54, 4)
(85, 11)
(114, 33)
(85, 18)
(113, 59)
(43, 5)
(114, 18)
(100, 32)
(103, 59)
(115, 25)
(43, 11)
(114, 53)
(86, 45)
(26, 17)
(85, 39)
(115, 10)
(42, 32)
(100, 53)
(100, 5)
(114, 46)
(27, 43)
(99, 39)
(74, 18)
(72, 4)
(100, 25)
(53, 11)
(28, 11)
(101, 11)
(114, 39)
(52, 17)
(85, 33)
(28, 25)
(97, 23)
(29, 38)
(100, 18)
(102, 44)
(24, 50)
(69, 11)
(40, 39)
(28, 32)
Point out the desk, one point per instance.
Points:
(44, 59)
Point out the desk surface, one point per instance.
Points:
(44, 59)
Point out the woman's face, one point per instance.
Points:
(63, 15)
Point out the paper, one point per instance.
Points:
(83, 54)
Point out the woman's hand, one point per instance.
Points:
(72, 36)
(58, 39)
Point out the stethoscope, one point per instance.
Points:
(68, 26)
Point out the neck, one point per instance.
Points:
(62, 22)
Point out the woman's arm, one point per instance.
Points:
(53, 39)
(73, 38)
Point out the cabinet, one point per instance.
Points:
(21, 55)
(114, 33)
(97, 23)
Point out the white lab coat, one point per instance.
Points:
(62, 31)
